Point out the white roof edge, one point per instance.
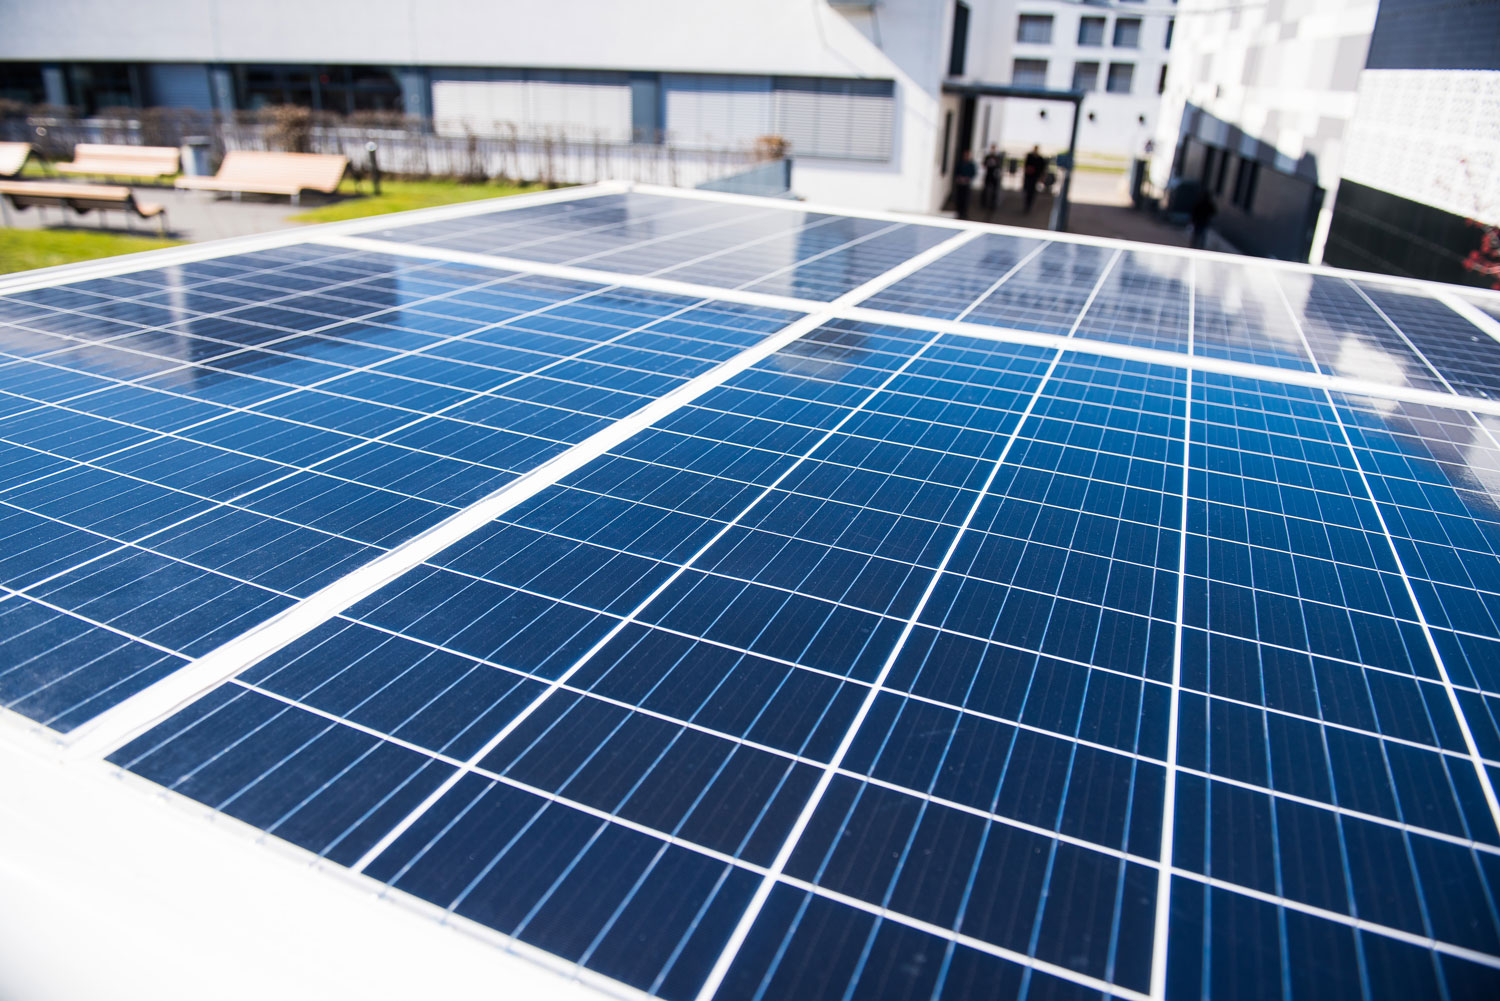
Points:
(183, 903)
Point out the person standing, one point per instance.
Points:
(1031, 174)
(993, 164)
(1202, 214)
(963, 183)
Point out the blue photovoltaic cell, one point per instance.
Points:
(871, 653)
(1462, 354)
(1434, 474)
(808, 255)
(173, 478)
(1240, 315)
(1047, 293)
(1143, 302)
(798, 597)
(1320, 757)
(947, 287)
(1349, 337)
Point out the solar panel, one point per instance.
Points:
(713, 598)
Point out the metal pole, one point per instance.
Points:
(375, 163)
(1060, 210)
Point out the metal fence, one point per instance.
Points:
(407, 147)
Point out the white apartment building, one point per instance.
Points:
(1114, 52)
(853, 91)
(856, 88)
(1364, 134)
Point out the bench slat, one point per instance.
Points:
(132, 161)
(265, 172)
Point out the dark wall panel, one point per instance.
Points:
(1373, 230)
(1436, 35)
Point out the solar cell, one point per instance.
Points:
(808, 255)
(1461, 353)
(866, 647)
(1347, 336)
(195, 478)
(1239, 314)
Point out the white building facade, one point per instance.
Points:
(1364, 135)
(853, 89)
(1257, 105)
(1116, 53)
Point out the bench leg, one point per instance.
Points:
(4, 212)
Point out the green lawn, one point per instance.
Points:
(23, 249)
(398, 196)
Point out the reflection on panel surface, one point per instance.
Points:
(189, 451)
(808, 255)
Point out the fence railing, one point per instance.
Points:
(407, 148)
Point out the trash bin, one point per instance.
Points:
(195, 151)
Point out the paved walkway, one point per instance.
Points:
(1099, 206)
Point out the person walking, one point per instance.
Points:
(1202, 213)
(1031, 174)
(993, 164)
(963, 183)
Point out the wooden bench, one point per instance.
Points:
(268, 173)
(13, 158)
(122, 161)
(80, 198)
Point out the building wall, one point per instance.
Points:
(772, 36)
(1275, 84)
(1121, 122)
(466, 62)
(1423, 156)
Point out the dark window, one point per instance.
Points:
(1241, 180)
(94, 87)
(1091, 31)
(960, 50)
(1085, 76)
(1161, 81)
(1171, 23)
(342, 89)
(1128, 33)
(347, 89)
(261, 86)
(1034, 29)
(947, 139)
(22, 83)
(1029, 73)
(1120, 77)
(1222, 173)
